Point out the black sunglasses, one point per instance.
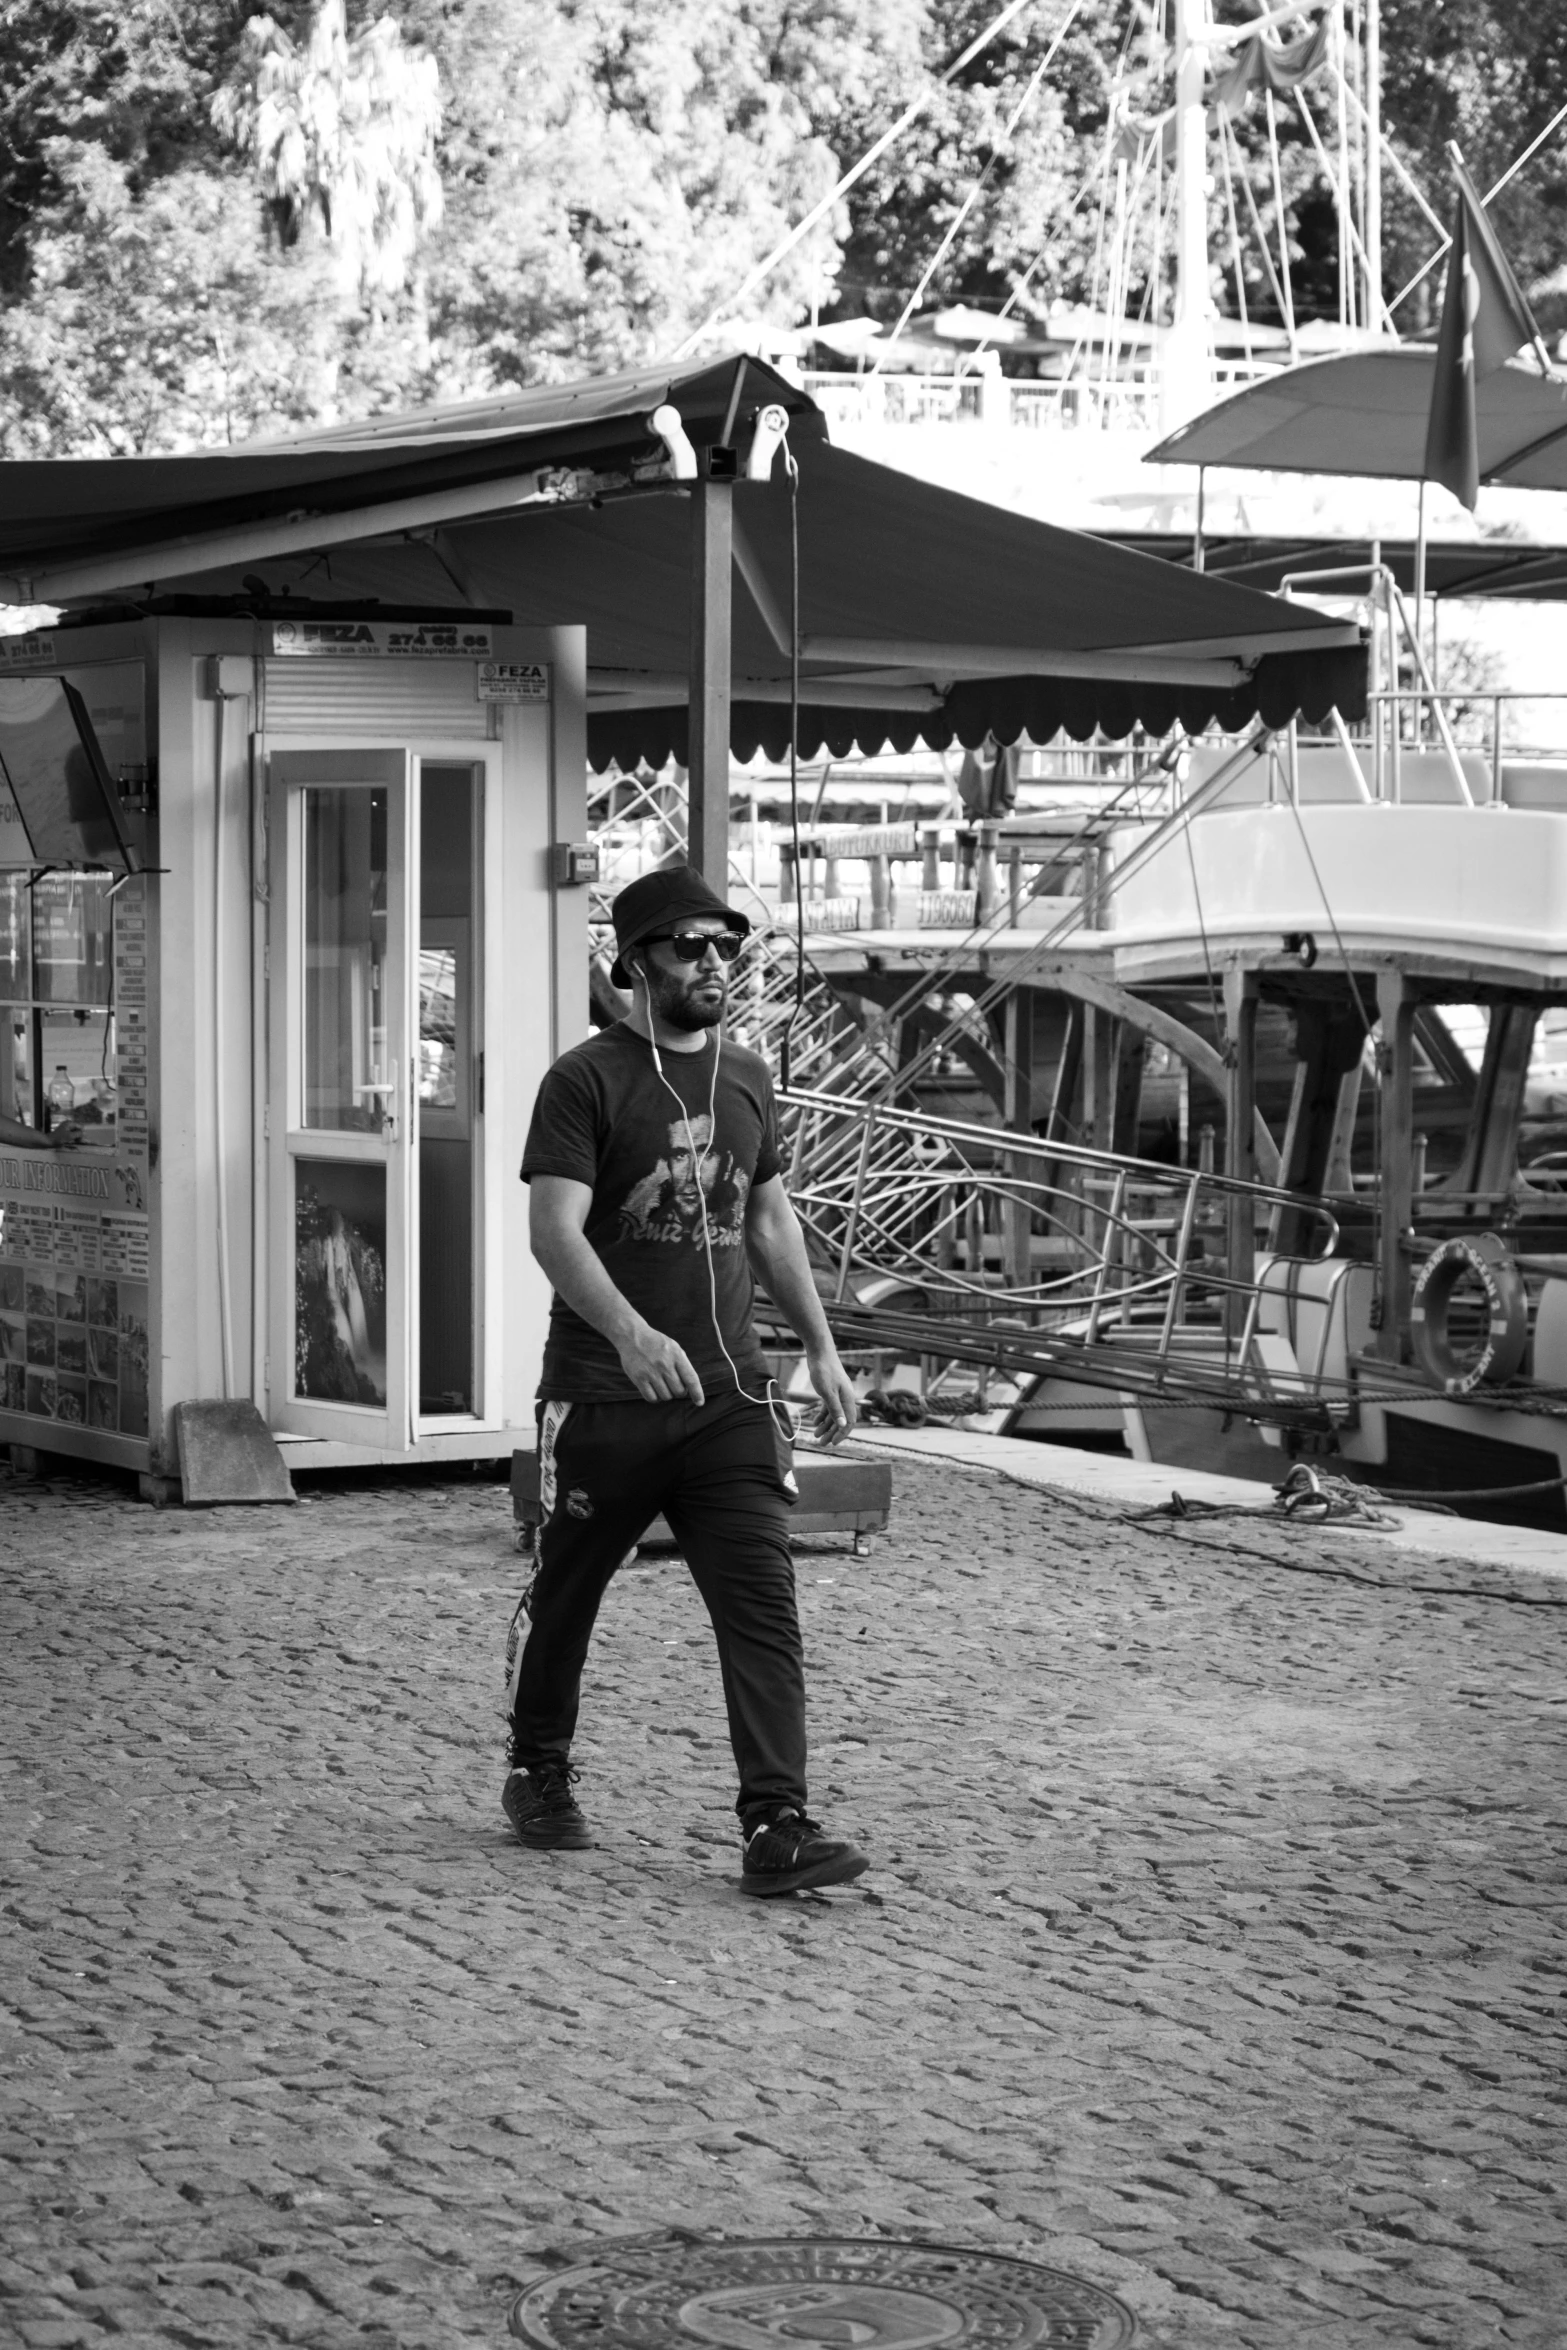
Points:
(691, 945)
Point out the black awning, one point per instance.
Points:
(918, 606)
(1285, 686)
(58, 510)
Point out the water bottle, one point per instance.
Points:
(62, 1094)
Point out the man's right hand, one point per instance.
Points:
(659, 1370)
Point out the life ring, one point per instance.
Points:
(1507, 1333)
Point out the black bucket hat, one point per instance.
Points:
(654, 901)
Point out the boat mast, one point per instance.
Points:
(1373, 136)
(1184, 377)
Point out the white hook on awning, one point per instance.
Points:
(669, 425)
(772, 431)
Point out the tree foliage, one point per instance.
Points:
(160, 320)
(214, 223)
(341, 131)
(612, 170)
(1488, 74)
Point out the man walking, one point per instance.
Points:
(653, 1168)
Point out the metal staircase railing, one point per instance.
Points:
(881, 1181)
(965, 1243)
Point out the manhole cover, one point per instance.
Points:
(814, 2293)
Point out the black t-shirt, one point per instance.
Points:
(603, 1118)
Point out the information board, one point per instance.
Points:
(74, 1239)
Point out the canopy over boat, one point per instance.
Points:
(1366, 412)
(1497, 570)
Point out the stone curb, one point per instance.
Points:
(1063, 1468)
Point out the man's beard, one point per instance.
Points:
(667, 992)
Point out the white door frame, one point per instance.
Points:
(292, 770)
(486, 935)
(284, 1139)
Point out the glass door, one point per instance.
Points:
(344, 1084)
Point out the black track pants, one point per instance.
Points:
(716, 1472)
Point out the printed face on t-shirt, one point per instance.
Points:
(670, 1157)
(692, 1168)
(668, 1203)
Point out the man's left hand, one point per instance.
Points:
(837, 1408)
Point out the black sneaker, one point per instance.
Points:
(541, 1807)
(790, 1853)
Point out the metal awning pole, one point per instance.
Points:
(712, 554)
(1420, 608)
(1199, 552)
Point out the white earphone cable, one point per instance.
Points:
(698, 1160)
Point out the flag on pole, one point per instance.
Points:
(1485, 319)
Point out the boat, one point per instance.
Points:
(1206, 1097)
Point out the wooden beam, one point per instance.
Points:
(1330, 1041)
(1241, 998)
(1338, 1176)
(1451, 1062)
(1131, 1058)
(1492, 1152)
(1100, 1055)
(1396, 1005)
(1068, 1076)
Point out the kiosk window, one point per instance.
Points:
(56, 1003)
(347, 1071)
(16, 942)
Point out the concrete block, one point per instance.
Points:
(228, 1453)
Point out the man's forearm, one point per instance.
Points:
(576, 1273)
(779, 1257)
(655, 1364)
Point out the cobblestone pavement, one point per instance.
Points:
(1211, 1951)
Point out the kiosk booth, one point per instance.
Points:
(298, 1052)
(292, 839)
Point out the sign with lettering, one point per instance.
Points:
(384, 640)
(73, 1297)
(514, 681)
(74, 1238)
(859, 840)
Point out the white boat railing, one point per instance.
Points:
(980, 396)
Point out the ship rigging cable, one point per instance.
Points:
(981, 183)
(835, 195)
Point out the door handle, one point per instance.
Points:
(387, 1086)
